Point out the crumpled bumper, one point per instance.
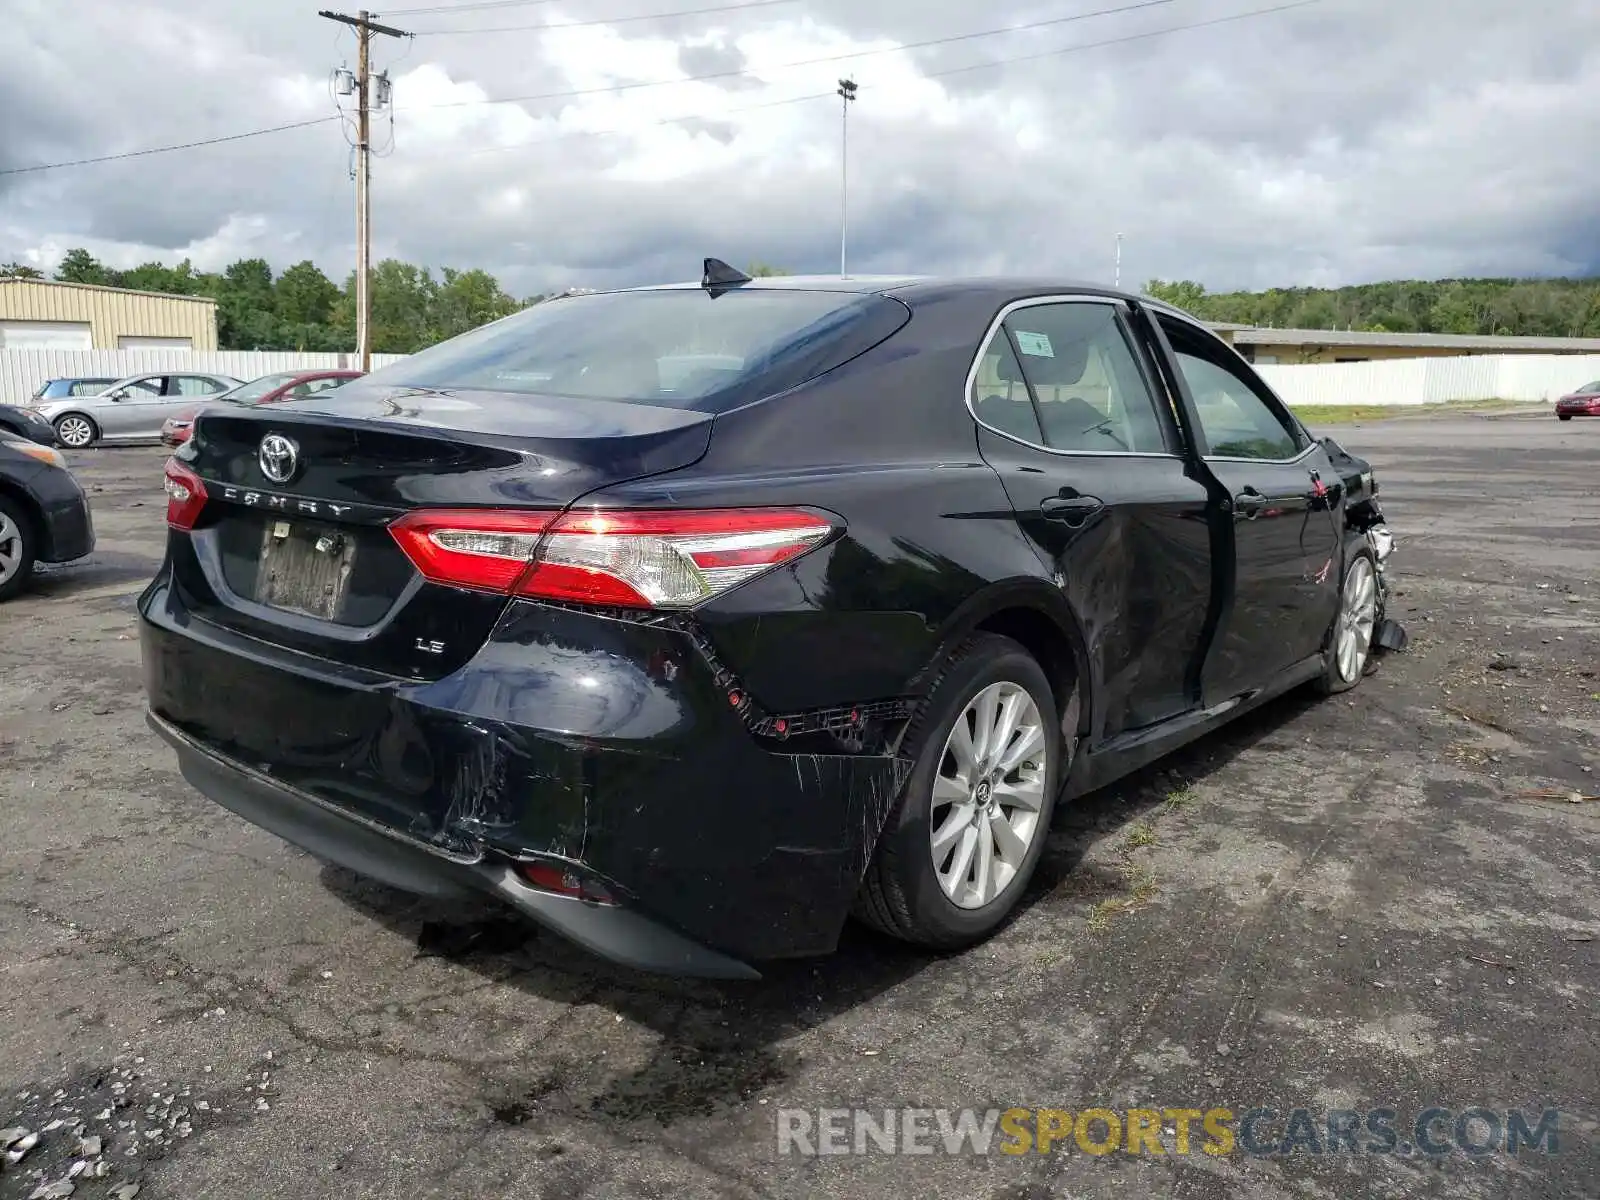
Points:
(598, 746)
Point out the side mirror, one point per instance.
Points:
(119, 394)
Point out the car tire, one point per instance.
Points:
(920, 895)
(76, 431)
(1349, 645)
(17, 547)
(1563, 416)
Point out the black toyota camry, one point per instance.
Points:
(691, 620)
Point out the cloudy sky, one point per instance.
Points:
(561, 142)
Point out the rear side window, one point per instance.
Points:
(1000, 397)
(683, 348)
(1064, 375)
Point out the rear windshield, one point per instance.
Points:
(683, 348)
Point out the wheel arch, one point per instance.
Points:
(55, 421)
(31, 512)
(1037, 617)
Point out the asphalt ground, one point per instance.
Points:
(1351, 904)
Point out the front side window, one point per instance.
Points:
(677, 347)
(1590, 389)
(1079, 369)
(143, 389)
(1238, 422)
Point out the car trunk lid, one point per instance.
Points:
(292, 543)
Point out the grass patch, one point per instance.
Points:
(1139, 835)
(1182, 798)
(1349, 414)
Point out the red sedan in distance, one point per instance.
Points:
(1585, 402)
(268, 389)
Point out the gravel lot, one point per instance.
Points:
(1345, 905)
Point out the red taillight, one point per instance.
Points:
(468, 547)
(186, 495)
(644, 559)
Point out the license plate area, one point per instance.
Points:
(305, 567)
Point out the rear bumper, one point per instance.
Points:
(370, 849)
(602, 745)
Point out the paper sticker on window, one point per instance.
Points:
(1036, 344)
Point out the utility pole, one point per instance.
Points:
(847, 93)
(1119, 262)
(365, 27)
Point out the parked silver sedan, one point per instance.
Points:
(132, 409)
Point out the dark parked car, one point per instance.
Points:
(16, 421)
(44, 515)
(689, 620)
(1585, 402)
(285, 387)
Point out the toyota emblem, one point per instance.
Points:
(279, 458)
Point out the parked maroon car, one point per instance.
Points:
(1585, 402)
(268, 389)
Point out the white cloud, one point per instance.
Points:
(1349, 140)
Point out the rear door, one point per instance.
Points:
(1284, 500)
(1092, 465)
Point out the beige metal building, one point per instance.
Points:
(1335, 346)
(39, 314)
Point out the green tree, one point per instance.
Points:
(16, 270)
(464, 300)
(303, 295)
(79, 266)
(761, 270)
(1185, 294)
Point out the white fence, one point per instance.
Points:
(1530, 377)
(22, 371)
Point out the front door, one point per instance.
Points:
(128, 414)
(1286, 522)
(1091, 464)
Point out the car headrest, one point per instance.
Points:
(1063, 364)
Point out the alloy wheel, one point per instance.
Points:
(75, 432)
(988, 794)
(11, 548)
(1358, 612)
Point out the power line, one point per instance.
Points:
(216, 141)
(682, 12)
(998, 62)
(455, 8)
(807, 62)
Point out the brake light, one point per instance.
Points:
(637, 559)
(466, 547)
(186, 495)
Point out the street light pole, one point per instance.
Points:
(1119, 262)
(847, 93)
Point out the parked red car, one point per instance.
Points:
(1585, 402)
(268, 389)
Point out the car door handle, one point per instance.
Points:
(1074, 510)
(1249, 504)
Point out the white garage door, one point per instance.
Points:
(155, 343)
(44, 335)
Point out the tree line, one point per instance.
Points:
(302, 309)
(1505, 307)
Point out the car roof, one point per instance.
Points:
(914, 287)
